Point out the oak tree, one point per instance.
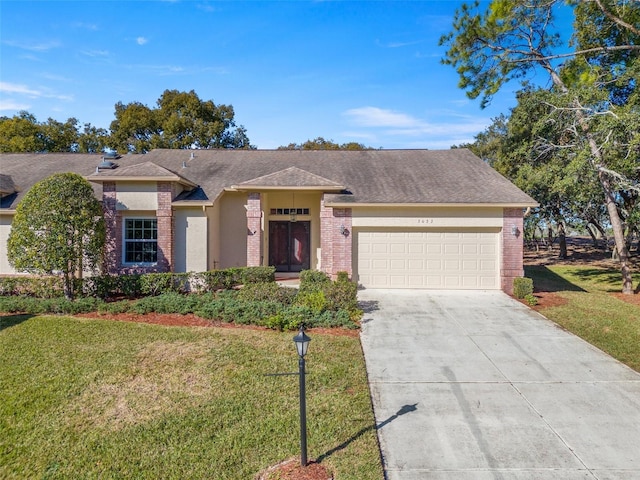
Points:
(592, 101)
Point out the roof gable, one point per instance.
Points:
(139, 172)
(292, 177)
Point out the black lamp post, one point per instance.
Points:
(302, 344)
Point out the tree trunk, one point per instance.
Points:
(618, 234)
(562, 240)
(594, 239)
(598, 163)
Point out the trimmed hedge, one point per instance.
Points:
(137, 285)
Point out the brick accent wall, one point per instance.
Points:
(254, 230)
(512, 248)
(164, 215)
(113, 223)
(336, 248)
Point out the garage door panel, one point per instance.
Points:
(465, 259)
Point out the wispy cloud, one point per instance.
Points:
(8, 104)
(95, 53)
(397, 44)
(24, 90)
(86, 26)
(142, 40)
(378, 117)
(452, 129)
(6, 87)
(206, 7)
(33, 47)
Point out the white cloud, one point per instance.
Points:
(95, 53)
(18, 89)
(33, 47)
(141, 40)
(398, 44)
(393, 128)
(6, 87)
(86, 26)
(12, 105)
(379, 117)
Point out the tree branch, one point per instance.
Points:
(616, 19)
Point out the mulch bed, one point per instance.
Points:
(292, 470)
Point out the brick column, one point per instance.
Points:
(336, 248)
(343, 243)
(164, 215)
(113, 224)
(326, 238)
(254, 230)
(512, 248)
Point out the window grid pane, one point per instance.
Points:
(141, 244)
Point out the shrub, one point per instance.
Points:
(259, 292)
(313, 280)
(291, 318)
(251, 275)
(32, 286)
(342, 296)
(57, 305)
(522, 286)
(128, 285)
(115, 308)
(315, 301)
(342, 277)
(217, 280)
(531, 299)
(156, 283)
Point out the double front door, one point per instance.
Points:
(289, 246)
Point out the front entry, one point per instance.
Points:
(289, 246)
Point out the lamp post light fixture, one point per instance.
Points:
(302, 344)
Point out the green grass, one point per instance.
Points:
(88, 399)
(590, 311)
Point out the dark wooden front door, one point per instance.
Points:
(289, 244)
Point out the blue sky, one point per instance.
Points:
(360, 71)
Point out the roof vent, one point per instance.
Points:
(192, 156)
(184, 164)
(107, 164)
(111, 155)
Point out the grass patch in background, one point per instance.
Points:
(99, 399)
(590, 310)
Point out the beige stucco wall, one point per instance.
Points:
(136, 196)
(191, 232)
(5, 228)
(421, 217)
(213, 214)
(233, 230)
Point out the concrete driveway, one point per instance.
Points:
(472, 385)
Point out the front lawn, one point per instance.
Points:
(87, 398)
(585, 303)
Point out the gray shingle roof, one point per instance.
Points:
(451, 177)
(291, 177)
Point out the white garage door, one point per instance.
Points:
(447, 259)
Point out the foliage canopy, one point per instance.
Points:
(58, 228)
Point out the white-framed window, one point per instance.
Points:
(140, 240)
